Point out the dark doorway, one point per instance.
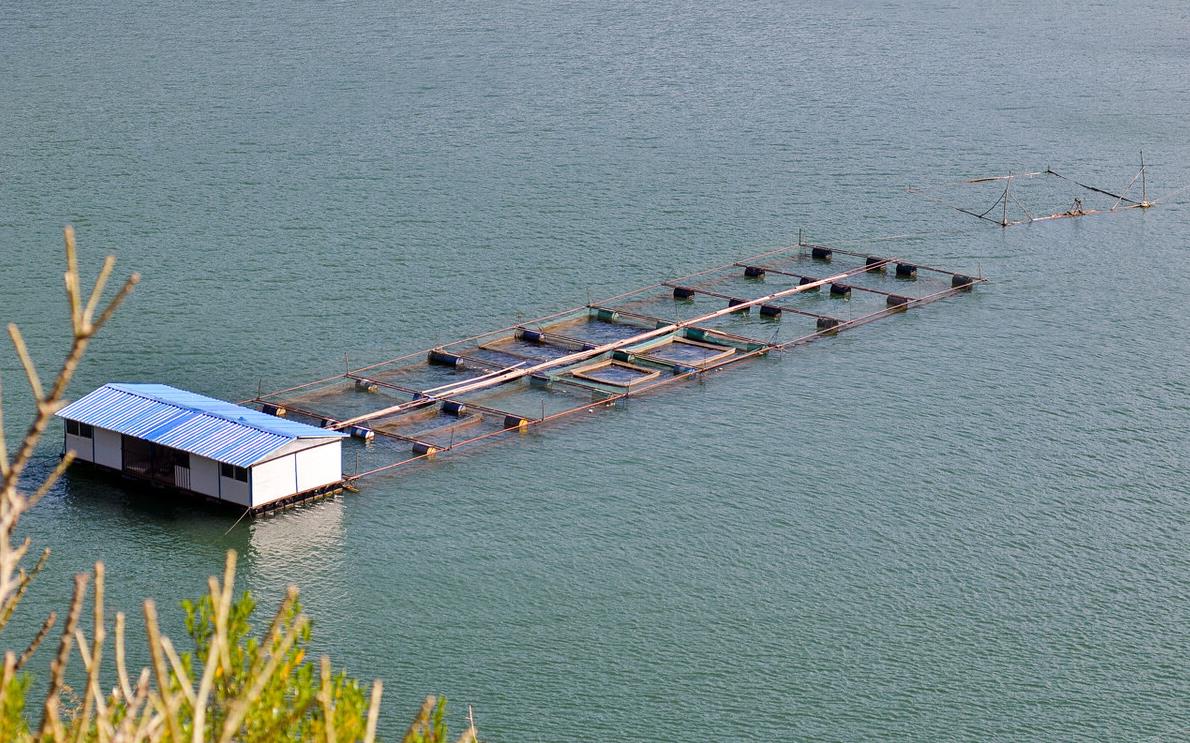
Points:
(158, 463)
(138, 456)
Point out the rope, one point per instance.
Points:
(1170, 195)
(1022, 206)
(237, 523)
(1127, 189)
(1092, 188)
(1003, 197)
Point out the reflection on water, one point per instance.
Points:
(307, 532)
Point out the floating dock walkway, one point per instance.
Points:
(415, 407)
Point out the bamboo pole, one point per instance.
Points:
(579, 356)
(675, 379)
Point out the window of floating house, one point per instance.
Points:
(74, 428)
(232, 472)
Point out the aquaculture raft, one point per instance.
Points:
(415, 407)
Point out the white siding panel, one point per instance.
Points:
(80, 446)
(204, 476)
(319, 466)
(234, 491)
(273, 479)
(109, 448)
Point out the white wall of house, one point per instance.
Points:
(296, 471)
(204, 476)
(82, 447)
(234, 491)
(109, 448)
(320, 465)
(276, 478)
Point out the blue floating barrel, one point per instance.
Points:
(515, 421)
(896, 300)
(874, 260)
(807, 280)
(821, 254)
(367, 385)
(827, 323)
(360, 432)
(840, 290)
(736, 303)
(452, 407)
(683, 292)
(530, 336)
(754, 272)
(958, 281)
(906, 271)
(768, 310)
(442, 358)
(696, 334)
(621, 355)
(606, 315)
(422, 449)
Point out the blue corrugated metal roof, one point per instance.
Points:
(194, 423)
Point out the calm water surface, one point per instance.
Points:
(966, 523)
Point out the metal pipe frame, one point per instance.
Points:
(584, 352)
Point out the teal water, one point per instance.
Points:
(966, 523)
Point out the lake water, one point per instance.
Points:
(968, 523)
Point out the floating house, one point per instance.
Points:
(198, 444)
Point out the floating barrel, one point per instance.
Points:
(696, 334)
(737, 303)
(768, 310)
(807, 280)
(451, 407)
(896, 300)
(840, 290)
(539, 380)
(424, 450)
(367, 385)
(680, 369)
(827, 323)
(327, 423)
(606, 315)
(360, 432)
(873, 260)
(442, 358)
(621, 356)
(754, 272)
(276, 410)
(959, 281)
(820, 254)
(530, 336)
(906, 271)
(517, 422)
(683, 292)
